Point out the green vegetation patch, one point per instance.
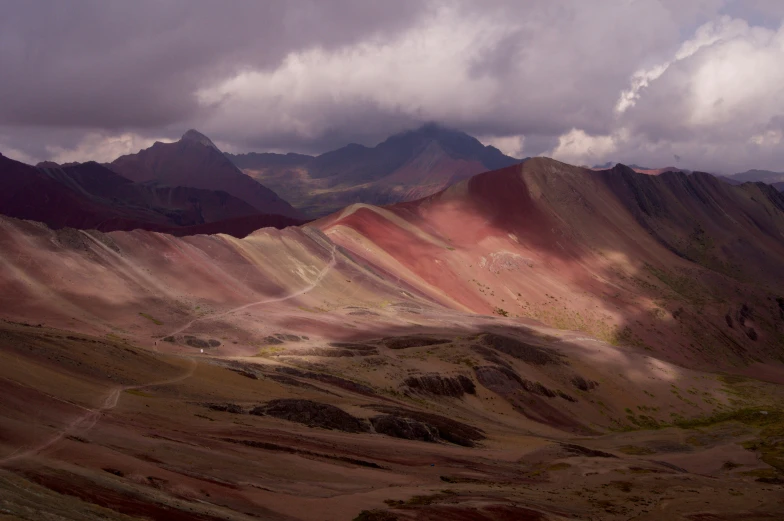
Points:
(270, 351)
(754, 416)
(501, 311)
(151, 319)
(430, 498)
(685, 286)
(375, 515)
(770, 441)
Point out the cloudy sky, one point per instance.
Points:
(690, 83)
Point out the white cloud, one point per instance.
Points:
(502, 71)
(739, 79)
(17, 155)
(767, 139)
(705, 36)
(637, 81)
(101, 148)
(579, 148)
(424, 73)
(510, 145)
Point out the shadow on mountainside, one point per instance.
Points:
(683, 265)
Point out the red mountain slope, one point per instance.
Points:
(363, 369)
(684, 265)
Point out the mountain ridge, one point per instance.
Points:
(357, 173)
(91, 196)
(196, 162)
(664, 243)
(521, 307)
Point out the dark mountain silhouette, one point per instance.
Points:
(91, 196)
(760, 176)
(775, 179)
(406, 166)
(194, 161)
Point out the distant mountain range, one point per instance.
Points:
(190, 186)
(404, 167)
(174, 194)
(776, 179)
(196, 162)
(762, 176)
(640, 169)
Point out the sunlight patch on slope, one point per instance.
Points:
(394, 219)
(353, 240)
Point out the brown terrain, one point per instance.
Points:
(405, 167)
(541, 342)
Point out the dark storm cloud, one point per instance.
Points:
(583, 81)
(114, 65)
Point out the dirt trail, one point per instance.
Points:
(89, 419)
(323, 273)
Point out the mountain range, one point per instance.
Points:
(94, 196)
(194, 161)
(501, 349)
(775, 179)
(404, 167)
(190, 186)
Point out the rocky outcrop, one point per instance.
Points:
(405, 428)
(312, 414)
(490, 355)
(528, 353)
(199, 343)
(583, 384)
(405, 342)
(279, 338)
(444, 428)
(335, 381)
(579, 450)
(505, 381)
(352, 346)
(532, 399)
(293, 382)
(453, 386)
(232, 408)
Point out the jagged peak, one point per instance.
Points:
(47, 164)
(194, 136)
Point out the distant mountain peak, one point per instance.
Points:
(47, 164)
(194, 136)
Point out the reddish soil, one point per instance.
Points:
(616, 361)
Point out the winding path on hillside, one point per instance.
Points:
(323, 273)
(91, 417)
